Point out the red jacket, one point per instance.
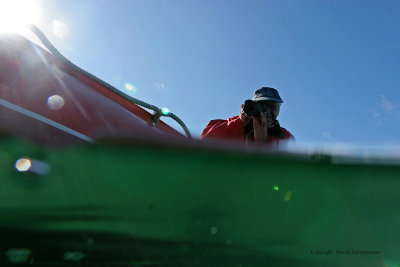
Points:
(232, 128)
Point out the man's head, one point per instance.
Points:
(270, 97)
(266, 100)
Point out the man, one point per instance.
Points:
(258, 127)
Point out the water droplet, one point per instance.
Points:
(18, 255)
(74, 256)
(165, 111)
(276, 187)
(213, 230)
(23, 164)
(55, 102)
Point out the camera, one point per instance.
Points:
(255, 108)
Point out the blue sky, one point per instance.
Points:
(336, 63)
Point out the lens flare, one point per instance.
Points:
(23, 164)
(165, 111)
(60, 29)
(130, 87)
(55, 102)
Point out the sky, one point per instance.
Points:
(335, 63)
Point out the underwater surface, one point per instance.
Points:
(124, 204)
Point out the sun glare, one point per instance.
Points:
(16, 14)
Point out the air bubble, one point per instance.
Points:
(18, 255)
(213, 230)
(74, 256)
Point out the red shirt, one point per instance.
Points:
(232, 128)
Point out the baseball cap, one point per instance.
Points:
(267, 93)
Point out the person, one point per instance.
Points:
(258, 128)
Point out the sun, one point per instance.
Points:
(16, 14)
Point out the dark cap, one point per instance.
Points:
(267, 93)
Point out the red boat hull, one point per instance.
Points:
(45, 101)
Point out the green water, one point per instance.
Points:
(127, 205)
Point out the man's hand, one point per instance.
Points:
(260, 125)
(246, 119)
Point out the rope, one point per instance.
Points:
(157, 111)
